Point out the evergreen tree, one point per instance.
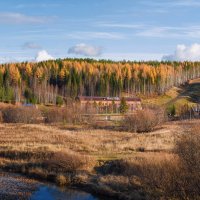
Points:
(123, 106)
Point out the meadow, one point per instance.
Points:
(107, 162)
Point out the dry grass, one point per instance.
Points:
(66, 161)
(68, 157)
(41, 138)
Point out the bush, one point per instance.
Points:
(59, 101)
(171, 110)
(188, 150)
(21, 115)
(142, 120)
(62, 180)
(70, 114)
(117, 183)
(69, 162)
(54, 115)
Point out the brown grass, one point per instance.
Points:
(127, 165)
(165, 176)
(66, 161)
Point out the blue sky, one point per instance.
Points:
(110, 29)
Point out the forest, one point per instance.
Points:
(50, 81)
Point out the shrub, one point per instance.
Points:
(142, 120)
(118, 183)
(171, 110)
(188, 150)
(59, 101)
(54, 115)
(69, 162)
(21, 115)
(62, 180)
(123, 106)
(156, 175)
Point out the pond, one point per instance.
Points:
(16, 187)
(45, 192)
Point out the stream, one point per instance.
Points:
(16, 187)
(45, 192)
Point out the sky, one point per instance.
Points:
(101, 29)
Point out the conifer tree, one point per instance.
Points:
(123, 106)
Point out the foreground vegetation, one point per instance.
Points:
(102, 158)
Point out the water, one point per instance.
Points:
(54, 193)
(16, 187)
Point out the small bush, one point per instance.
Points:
(21, 115)
(188, 150)
(118, 183)
(59, 101)
(142, 121)
(35, 172)
(69, 162)
(62, 180)
(54, 115)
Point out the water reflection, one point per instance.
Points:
(54, 193)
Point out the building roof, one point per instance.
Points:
(96, 98)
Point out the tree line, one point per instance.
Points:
(49, 81)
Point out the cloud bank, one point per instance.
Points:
(43, 56)
(85, 50)
(185, 53)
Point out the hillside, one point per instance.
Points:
(187, 94)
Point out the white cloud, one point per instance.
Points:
(85, 50)
(43, 56)
(18, 18)
(185, 53)
(190, 31)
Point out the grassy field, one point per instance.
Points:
(25, 148)
(98, 143)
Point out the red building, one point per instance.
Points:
(109, 104)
